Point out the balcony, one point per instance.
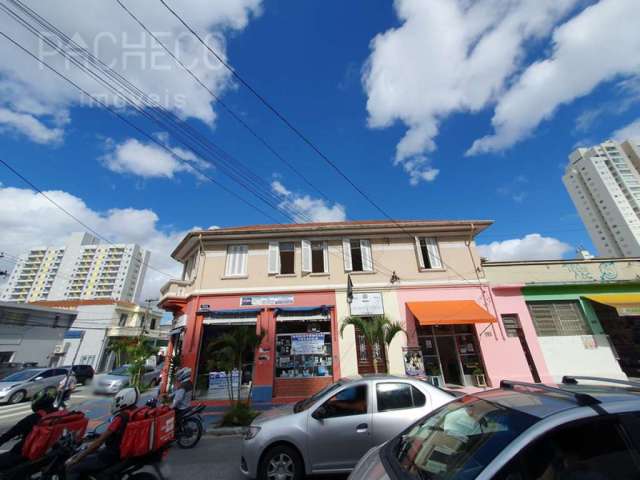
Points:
(133, 332)
(175, 288)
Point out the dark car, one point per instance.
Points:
(84, 373)
(583, 428)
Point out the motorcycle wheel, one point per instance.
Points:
(189, 433)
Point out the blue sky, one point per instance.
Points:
(514, 73)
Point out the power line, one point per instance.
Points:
(229, 110)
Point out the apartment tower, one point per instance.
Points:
(82, 269)
(604, 184)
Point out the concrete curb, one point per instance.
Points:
(224, 431)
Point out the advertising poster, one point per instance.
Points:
(413, 362)
(307, 344)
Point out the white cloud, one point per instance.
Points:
(30, 126)
(531, 247)
(27, 220)
(110, 34)
(448, 56)
(628, 132)
(595, 46)
(149, 160)
(304, 208)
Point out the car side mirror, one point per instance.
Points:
(320, 413)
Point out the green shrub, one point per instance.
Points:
(238, 415)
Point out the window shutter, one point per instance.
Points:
(306, 256)
(325, 255)
(367, 260)
(434, 253)
(419, 252)
(346, 254)
(274, 258)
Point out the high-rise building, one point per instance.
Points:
(604, 184)
(82, 269)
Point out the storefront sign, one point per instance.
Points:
(218, 382)
(367, 304)
(307, 344)
(413, 362)
(263, 300)
(628, 310)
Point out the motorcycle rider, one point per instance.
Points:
(182, 392)
(95, 459)
(42, 402)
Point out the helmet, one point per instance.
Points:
(43, 400)
(183, 374)
(127, 397)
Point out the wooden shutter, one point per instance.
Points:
(346, 254)
(306, 256)
(325, 255)
(274, 258)
(418, 252)
(367, 259)
(434, 253)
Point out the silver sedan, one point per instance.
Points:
(331, 430)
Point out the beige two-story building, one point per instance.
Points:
(290, 283)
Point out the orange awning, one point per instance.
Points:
(450, 312)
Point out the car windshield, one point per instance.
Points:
(307, 402)
(21, 376)
(458, 440)
(122, 371)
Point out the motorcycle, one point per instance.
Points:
(189, 427)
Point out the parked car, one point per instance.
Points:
(520, 431)
(24, 384)
(7, 368)
(119, 378)
(84, 373)
(331, 430)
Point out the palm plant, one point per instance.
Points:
(378, 330)
(231, 351)
(119, 347)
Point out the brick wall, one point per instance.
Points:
(299, 387)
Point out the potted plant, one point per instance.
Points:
(478, 377)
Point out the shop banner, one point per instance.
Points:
(413, 361)
(307, 344)
(218, 383)
(264, 300)
(367, 304)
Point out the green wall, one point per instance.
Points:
(540, 293)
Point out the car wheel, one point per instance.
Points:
(17, 397)
(281, 463)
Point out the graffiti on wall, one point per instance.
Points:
(606, 272)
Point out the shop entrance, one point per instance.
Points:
(449, 360)
(211, 379)
(369, 354)
(624, 335)
(450, 353)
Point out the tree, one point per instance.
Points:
(378, 330)
(138, 351)
(231, 352)
(119, 347)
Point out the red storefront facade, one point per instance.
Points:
(283, 318)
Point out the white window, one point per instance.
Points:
(357, 255)
(189, 268)
(315, 256)
(428, 253)
(236, 261)
(282, 258)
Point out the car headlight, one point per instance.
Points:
(251, 432)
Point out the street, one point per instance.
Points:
(214, 458)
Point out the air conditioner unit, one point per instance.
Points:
(61, 348)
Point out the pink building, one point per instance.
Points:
(461, 334)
